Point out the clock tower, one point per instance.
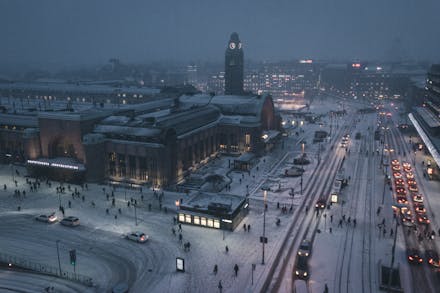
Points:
(234, 66)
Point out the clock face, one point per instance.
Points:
(232, 45)
(239, 45)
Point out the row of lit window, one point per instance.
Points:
(201, 221)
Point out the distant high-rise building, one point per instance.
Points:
(234, 66)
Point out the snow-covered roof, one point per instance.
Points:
(228, 104)
(202, 200)
(126, 130)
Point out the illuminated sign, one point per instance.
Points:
(56, 165)
(306, 61)
(356, 65)
(334, 197)
(180, 264)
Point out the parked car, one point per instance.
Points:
(70, 221)
(302, 267)
(414, 256)
(397, 175)
(432, 258)
(419, 208)
(423, 219)
(305, 248)
(401, 191)
(52, 218)
(402, 199)
(137, 236)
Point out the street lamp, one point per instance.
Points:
(135, 214)
(263, 240)
(58, 253)
(397, 208)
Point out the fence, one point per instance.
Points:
(44, 269)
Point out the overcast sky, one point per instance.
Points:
(58, 33)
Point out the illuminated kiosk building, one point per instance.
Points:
(156, 143)
(218, 211)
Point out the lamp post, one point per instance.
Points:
(135, 215)
(58, 253)
(397, 208)
(263, 240)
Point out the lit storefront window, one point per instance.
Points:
(181, 217)
(210, 223)
(203, 221)
(197, 220)
(217, 224)
(188, 218)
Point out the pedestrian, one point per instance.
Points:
(174, 220)
(325, 288)
(391, 232)
(180, 237)
(70, 204)
(227, 249)
(174, 231)
(215, 269)
(249, 227)
(113, 202)
(354, 222)
(106, 211)
(149, 206)
(384, 231)
(244, 227)
(83, 198)
(331, 218)
(343, 218)
(220, 287)
(330, 230)
(236, 270)
(340, 223)
(349, 220)
(180, 227)
(383, 221)
(120, 211)
(116, 217)
(378, 210)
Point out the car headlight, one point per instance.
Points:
(297, 273)
(307, 254)
(305, 274)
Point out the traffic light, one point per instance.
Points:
(72, 256)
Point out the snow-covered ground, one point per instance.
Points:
(105, 256)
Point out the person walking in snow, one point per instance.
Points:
(227, 249)
(215, 269)
(236, 270)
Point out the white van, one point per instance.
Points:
(300, 286)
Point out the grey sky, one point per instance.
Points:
(57, 33)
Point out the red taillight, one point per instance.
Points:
(410, 258)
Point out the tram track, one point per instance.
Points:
(315, 187)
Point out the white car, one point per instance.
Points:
(137, 236)
(52, 218)
(418, 198)
(70, 221)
